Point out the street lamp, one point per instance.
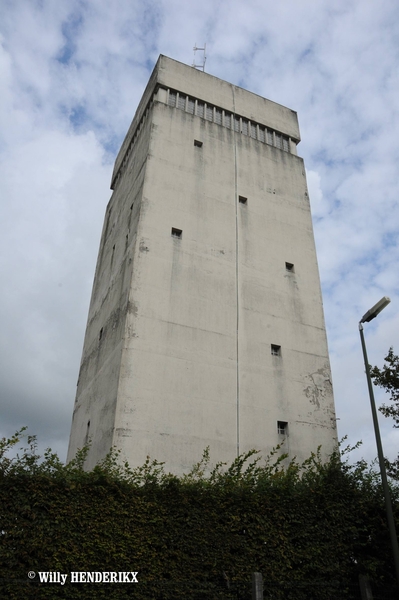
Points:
(368, 316)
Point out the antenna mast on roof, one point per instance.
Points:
(202, 65)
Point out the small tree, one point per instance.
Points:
(388, 379)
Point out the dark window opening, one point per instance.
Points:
(87, 432)
(112, 256)
(282, 427)
(198, 143)
(177, 233)
(242, 199)
(275, 350)
(289, 267)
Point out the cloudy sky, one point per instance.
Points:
(72, 73)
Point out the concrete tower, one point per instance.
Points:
(206, 323)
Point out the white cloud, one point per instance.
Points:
(56, 191)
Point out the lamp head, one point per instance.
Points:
(375, 310)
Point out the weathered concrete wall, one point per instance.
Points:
(175, 75)
(211, 89)
(185, 361)
(183, 352)
(97, 389)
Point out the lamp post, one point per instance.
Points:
(368, 316)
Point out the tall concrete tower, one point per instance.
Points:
(206, 323)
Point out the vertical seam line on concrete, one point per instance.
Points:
(237, 273)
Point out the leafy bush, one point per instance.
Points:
(197, 536)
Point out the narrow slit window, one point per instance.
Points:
(182, 102)
(197, 143)
(177, 233)
(242, 199)
(200, 109)
(289, 267)
(227, 120)
(275, 350)
(285, 144)
(87, 432)
(172, 99)
(282, 427)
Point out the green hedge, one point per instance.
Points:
(313, 526)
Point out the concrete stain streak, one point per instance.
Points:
(319, 386)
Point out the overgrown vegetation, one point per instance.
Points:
(388, 379)
(305, 527)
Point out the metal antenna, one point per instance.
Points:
(202, 65)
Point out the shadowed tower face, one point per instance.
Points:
(206, 324)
